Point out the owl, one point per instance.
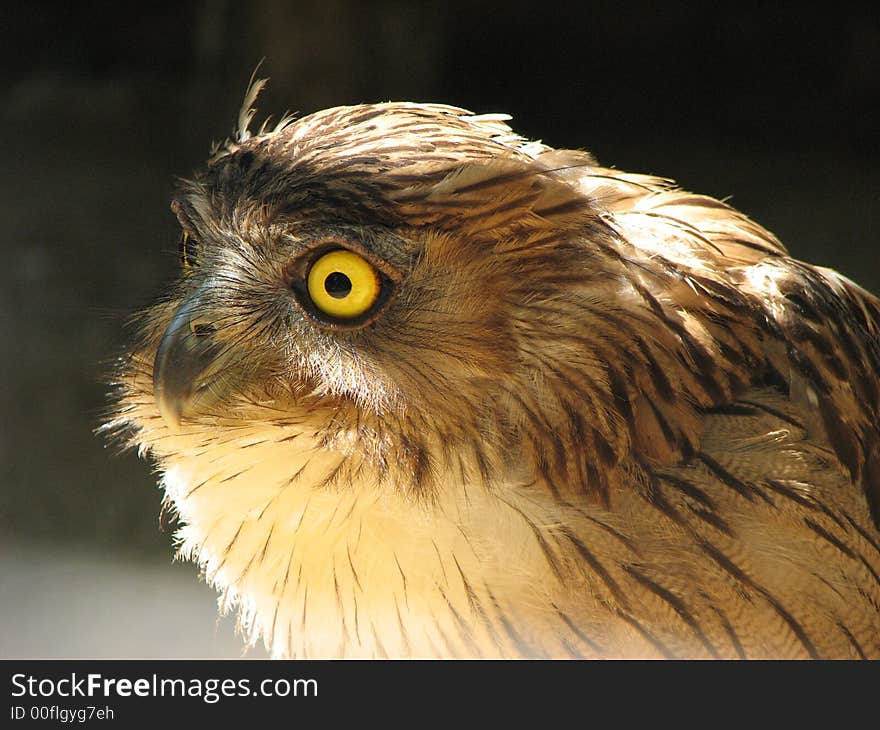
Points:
(424, 388)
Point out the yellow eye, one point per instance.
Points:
(343, 285)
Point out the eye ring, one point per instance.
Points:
(298, 271)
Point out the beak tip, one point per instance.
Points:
(170, 413)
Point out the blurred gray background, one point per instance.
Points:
(104, 103)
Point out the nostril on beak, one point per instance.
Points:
(201, 328)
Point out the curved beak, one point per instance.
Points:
(183, 368)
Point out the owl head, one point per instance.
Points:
(410, 285)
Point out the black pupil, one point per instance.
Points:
(337, 285)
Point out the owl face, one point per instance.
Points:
(380, 320)
(373, 275)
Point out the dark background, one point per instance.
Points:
(776, 105)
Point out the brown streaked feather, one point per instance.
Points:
(602, 416)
